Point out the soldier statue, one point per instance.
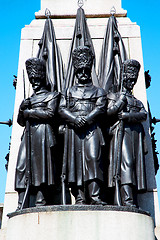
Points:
(127, 145)
(39, 111)
(82, 107)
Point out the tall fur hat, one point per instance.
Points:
(82, 57)
(130, 68)
(131, 65)
(36, 68)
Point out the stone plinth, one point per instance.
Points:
(96, 8)
(79, 223)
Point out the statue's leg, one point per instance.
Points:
(40, 200)
(127, 195)
(78, 193)
(94, 191)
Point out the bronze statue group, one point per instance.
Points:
(85, 140)
(91, 117)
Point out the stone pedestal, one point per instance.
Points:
(79, 223)
(92, 9)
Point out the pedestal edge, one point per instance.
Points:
(42, 16)
(77, 208)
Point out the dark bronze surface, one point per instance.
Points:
(39, 112)
(126, 113)
(81, 108)
(86, 111)
(113, 53)
(9, 122)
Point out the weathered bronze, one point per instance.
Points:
(15, 81)
(50, 52)
(81, 37)
(9, 122)
(40, 111)
(113, 53)
(81, 108)
(127, 146)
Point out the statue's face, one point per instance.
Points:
(83, 74)
(129, 83)
(36, 84)
(130, 78)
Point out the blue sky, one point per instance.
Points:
(18, 13)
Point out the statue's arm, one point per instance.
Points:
(23, 107)
(44, 113)
(64, 112)
(99, 109)
(134, 117)
(140, 116)
(115, 106)
(20, 119)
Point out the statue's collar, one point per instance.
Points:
(129, 94)
(40, 91)
(85, 85)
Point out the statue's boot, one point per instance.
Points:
(79, 197)
(40, 200)
(127, 195)
(94, 190)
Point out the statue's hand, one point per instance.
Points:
(26, 104)
(123, 97)
(26, 113)
(123, 115)
(80, 122)
(121, 102)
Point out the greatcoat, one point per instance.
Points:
(83, 150)
(42, 138)
(132, 167)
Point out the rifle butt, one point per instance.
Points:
(63, 198)
(25, 202)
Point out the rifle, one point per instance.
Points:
(64, 165)
(117, 177)
(25, 202)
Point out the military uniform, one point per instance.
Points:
(84, 144)
(36, 168)
(132, 170)
(42, 138)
